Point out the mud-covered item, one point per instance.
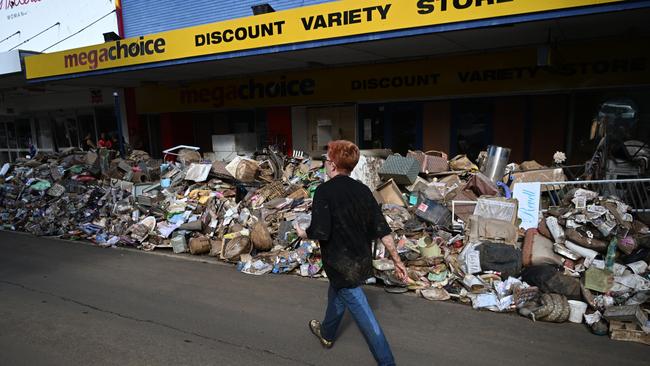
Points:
(584, 241)
(431, 161)
(502, 258)
(261, 237)
(195, 225)
(234, 248)
(627, 245)
(553, 308)
(600, 328)
(543, 229)
(626, 313)
(179, 245)
(200, 245)
(556, 230)
(561, 310)
(538, 249)
(215, 247)
(497, 208)
(549, 280)
(530, 165)
(403, 170)
(188, 156)
(389, 193)
(481, 185)
(219, 170)
(247, 170)
(479, 229)
(462, 162)
(434, 213)
(630, 332)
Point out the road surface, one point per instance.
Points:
(67, 303)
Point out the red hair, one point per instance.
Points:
(344, 154)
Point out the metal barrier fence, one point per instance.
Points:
(634, 192)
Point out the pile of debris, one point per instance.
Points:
(457, 227)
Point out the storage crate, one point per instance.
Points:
(629, 332)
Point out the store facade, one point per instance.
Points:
(399, 75)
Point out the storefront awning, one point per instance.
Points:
(327, 34)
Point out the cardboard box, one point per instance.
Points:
(542, 175)
(389, 193)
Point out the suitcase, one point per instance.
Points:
(403, 170)
(433, 213)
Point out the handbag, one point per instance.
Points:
(461, 162)
(431, 161)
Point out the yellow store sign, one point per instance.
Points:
(505, 72)
(311, 23)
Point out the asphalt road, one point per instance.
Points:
(64, 303)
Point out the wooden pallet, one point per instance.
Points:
(630, 332)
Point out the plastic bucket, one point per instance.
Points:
(179, 245)
(497, 159)
(578, 309)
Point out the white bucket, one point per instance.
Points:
(578, 309)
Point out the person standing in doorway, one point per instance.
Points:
(345, 220)
(104, 142)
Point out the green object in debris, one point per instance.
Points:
(291, 236)
(599, 280)
(77, 169)
(312, 190)
(41, 185)
(437, 277)
(413, 199)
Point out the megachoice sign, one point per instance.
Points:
(582, 66)
(311, 23)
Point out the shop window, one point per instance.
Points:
(585, 110)
(471, 126)
(23, 133)
(106, 121)
(153, 144)
(66, 133)
(371, 126)
(330, 123)
(87, 127)
(323, 132)
(3, 136)
(12, 143)
(44, 133)
(406, 121)
(208, 124)
(397, 126)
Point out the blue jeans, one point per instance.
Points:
(355, 300)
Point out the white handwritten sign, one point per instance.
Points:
(528, 196)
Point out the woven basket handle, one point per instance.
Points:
(439, 153)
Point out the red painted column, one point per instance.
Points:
(166, 130)
(279, 131)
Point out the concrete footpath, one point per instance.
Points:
(66, 303)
